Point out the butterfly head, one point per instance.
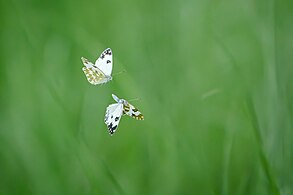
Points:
(120, 101)
(125, 103)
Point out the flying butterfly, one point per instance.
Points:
(100, 72)
(115, 111)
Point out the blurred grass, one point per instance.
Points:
(215, 79)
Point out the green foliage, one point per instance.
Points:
(215, 82)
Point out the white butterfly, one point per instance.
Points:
(100, 72)
(115, 111)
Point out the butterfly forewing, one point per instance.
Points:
(113, 116)
(105, 62)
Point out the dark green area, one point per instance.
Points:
(216, 88)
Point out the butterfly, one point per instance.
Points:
(115, 111)
(100, 72)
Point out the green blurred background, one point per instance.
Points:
(215, 82)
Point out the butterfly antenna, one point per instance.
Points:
(119, 72)
(134, 99)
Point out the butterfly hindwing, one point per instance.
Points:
(105, 62)
(113, 116)
(130, 110)
(94, 76)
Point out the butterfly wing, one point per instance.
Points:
(93, 74)
(130, 110)
(86, 63)
(113, 116)
(115, 98)
(105, 62)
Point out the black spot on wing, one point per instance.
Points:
(137, 117)
(108, 61)
(108, 52)
(135, 110)
(117, 118)
(112, 128)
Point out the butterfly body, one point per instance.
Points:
(115, 111)
(100, 72)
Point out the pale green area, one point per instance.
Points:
(215, 80)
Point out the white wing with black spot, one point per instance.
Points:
(105, 62)
(113, 116)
